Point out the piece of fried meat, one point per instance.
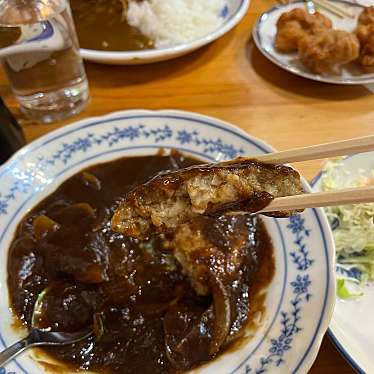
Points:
(326, 51)
(292, 26)
(365, 34)
(173, 198)
(220, 256)
(367, 16)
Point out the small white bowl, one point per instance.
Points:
(232, 13)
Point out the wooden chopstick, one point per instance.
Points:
(336, 9)
(321, 199)
(315, 152)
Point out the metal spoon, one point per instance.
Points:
(41, 336)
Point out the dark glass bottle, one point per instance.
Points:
(11, 135)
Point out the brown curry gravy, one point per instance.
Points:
(9, 35)
(133, 284)
(101, 25)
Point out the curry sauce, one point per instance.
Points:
(144, 302)
(102, 25)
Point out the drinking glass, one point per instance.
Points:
(40, 55)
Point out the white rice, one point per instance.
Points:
(172, 22)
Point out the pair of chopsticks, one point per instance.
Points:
(339, 10)
(315, 152)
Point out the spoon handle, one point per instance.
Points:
(7, 354)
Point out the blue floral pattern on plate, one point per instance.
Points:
(3, 371)
(290, 320)
(131, 133)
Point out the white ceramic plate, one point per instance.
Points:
(265, 30)
(232, 13)
(352, 327)
(301, 297)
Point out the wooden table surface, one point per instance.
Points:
(231, 80)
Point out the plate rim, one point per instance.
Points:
(256, 35)
(169, 52)
(36, 143)
(330, 331)
(312, 348)
(340, 348)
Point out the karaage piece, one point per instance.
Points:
(294, 25)
(367, 16)
(326, 51)
(365, 34)
(367, 55)
(173, 198)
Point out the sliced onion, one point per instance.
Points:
(91, 180)
(187, 335)
(98, 326)
(222, 314)
(44, 225)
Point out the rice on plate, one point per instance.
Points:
(167, 28)
(173, 22)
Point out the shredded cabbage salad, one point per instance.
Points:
(353, 230)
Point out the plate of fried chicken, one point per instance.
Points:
(318, 44)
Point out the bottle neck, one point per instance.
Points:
(23, 12)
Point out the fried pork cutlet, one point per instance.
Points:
(209, 246)
(173, 198)
(221, 256)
